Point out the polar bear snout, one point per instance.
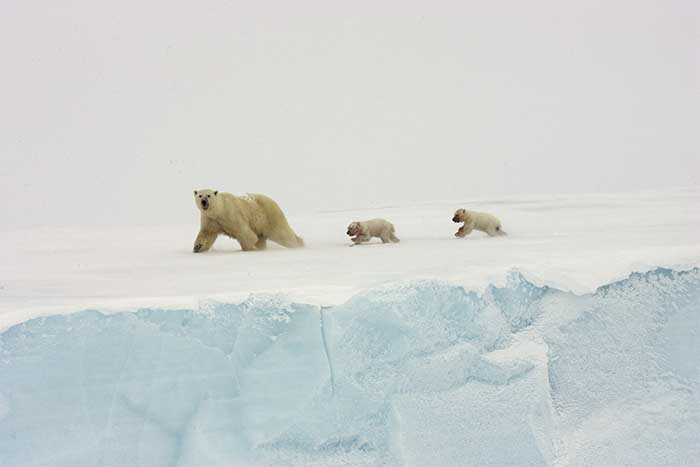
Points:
(205, 204)
(454, 219)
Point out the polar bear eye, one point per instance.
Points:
(200, 196)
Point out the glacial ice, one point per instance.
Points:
(420, 374)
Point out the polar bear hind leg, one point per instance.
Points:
(247, 238)
(287, 238)
(392, 235)
(388, 237)
(495, 231)
(278, 229)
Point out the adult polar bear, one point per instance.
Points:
(251, 219)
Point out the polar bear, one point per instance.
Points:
(251, 219)
(365, 230)
(474, 220)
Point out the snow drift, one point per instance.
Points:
(422, 373)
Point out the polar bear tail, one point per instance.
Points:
(300, 241)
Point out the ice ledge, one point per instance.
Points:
(425, 373)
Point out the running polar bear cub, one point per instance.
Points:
(365, 230)
(251, 219)
(474, 220)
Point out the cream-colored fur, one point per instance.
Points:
(474, 220)
(251, 219)
(363, 231)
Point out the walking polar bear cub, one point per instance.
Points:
(251, 220)
(363, 231)
(474, 220)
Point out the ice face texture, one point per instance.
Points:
(420, 374)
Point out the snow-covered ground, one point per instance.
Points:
(432, 352)
(574, 242)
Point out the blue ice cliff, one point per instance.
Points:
(420, 374)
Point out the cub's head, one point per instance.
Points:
(353, 228)
(205, 199)
(460, 216)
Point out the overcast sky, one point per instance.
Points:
(114, 111)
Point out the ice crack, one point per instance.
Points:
(325, 348)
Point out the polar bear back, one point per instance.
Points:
(377, 227)
(483, 221)
(262, 212)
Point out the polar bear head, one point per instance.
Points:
(205, 199)
(460, 216)
(354, 228)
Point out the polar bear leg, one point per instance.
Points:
(204, 241)
(261, 244)
(464, 231)
(388, 236)
(287, 238)
(361, 239)
(495, 231)
(247, 238)
(289, 241)
(392, 235)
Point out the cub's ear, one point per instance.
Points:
(216, 193)
(195, 192)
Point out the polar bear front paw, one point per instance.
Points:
(197, 248)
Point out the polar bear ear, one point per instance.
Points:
(216, 193)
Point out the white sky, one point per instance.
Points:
(113, 112)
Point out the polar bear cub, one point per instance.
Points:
(474, 220)
(251, 219)
(363, 231)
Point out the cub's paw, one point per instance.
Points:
(197, 248)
